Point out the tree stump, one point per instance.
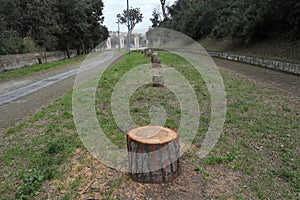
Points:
(147, 52)
(153, 153)
(156, 62)
(158, 80)
(39, 57)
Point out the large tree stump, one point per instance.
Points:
(153, 153)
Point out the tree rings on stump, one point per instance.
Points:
(153, 153)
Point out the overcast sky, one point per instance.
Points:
(113, 7)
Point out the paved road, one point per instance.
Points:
(24, 96)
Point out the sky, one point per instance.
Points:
(114, 7)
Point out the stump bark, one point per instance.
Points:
(158, 80)
(153, 153)
(156, 62)
(147, 52)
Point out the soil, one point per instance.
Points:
(97, 181)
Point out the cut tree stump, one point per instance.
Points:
(156, 62)
(158, 80)
(153, 153)
(147, 52)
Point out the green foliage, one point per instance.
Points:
(244, 21)
(50, 25)
(135, 17)
(156, 20)
(29, 185)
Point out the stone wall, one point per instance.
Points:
(9, 62)
(293, 68)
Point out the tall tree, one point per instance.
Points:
(163, 7)
(80, 23)
(156, 19)
(50, 24)
(243, 21)
(135, 17)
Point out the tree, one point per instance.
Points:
(156, 20)
(50, 25)
(163, 7)
(244, 21)
(80, 24)
(96, 32)
(135, 17)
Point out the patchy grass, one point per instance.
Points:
(28, 70)
(257, 156)
(33, 151)
(147, 96)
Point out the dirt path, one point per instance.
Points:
(286, 83)
(20, 109)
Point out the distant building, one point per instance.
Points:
(115, 40)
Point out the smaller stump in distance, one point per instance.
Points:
(156, 62)
(147, 52)
(158, 80)
(153, 153)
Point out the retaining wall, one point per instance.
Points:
(293, 68)
(9, 62)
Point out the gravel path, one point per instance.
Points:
(18, 110)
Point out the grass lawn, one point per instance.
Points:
(257, 156)
(28, 70)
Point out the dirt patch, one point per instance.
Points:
(85, 178)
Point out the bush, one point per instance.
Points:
(11, 43)
(29, 45)
(243, 21)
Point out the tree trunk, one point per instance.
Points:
(68, 51)
(158, 80)
(153, 154)
(156, 62)
(45, 55)
(163, 7)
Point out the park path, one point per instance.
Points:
(20, 108)
(24, 96)
(285, 82)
